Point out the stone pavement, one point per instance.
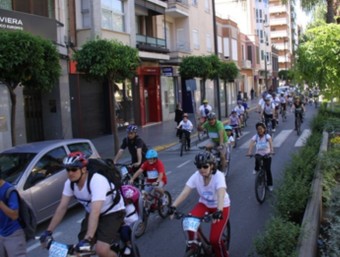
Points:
(159, 136)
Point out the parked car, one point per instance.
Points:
(36, 171)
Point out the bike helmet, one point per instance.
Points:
(151, 154)
(75, 159)
(205, 101)
(268, 98)
(130, 192)
(204, 158)
(211, 116)
(260, 124)
(227, 127)
(132, 128)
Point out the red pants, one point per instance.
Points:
(216, 230)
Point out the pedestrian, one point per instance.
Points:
(178, 116)
(252, 93)
(239, 96)
(12, 236)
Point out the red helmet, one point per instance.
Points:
(130, 192)
(75, 159)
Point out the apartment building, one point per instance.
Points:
(283, 31)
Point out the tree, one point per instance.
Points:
(319, 58)
(108, 61)
(228, 71)
(29, 61)
(309, 5)
(204, 67)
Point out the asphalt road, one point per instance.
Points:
(164, 238)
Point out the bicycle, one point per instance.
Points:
(59, 249)
(201, 133)
(200, 247)
(126, 172)
(151, 202)
(269, 125)
(184, 141)
(283, 114)
(261, 179)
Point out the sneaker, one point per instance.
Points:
(127, 250)
(254, 172)
(273, 130)
(270, 188)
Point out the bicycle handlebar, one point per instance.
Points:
(206, 218)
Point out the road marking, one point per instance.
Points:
(184, 163)
(303, 138)
(36, 245)
(281, 137)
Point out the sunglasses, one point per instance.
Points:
(71, 169)
(204, 166)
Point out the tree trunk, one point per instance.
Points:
(113, 116)
(13, 97)
(330, 12)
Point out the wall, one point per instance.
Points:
(5, 126)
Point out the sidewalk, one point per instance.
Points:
(159, 136)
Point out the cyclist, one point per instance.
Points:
(234, 121)
(186, 128)
(102, 220)
(268, 112)
(217, 136)
(239, 109)
(277, 102)
(204, 109)
(264, 145)
(299, 108)
(231, 142)
(131, 195)
(245, 106)
(283, 102)
(155, 172)
(212, 189)
(12, 236)
(137, 147)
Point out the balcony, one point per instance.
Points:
(246, 64)
(178, 8)
(277, 9)
(279, 21)
(278, 33)
(151, 44)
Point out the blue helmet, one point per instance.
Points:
(131, 128)
(227, 127)
(151, 154)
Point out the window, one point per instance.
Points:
(113, 15)
(194, 2)
(86, 13)
(207, 5)
(195, 39)
(249, 53)
(6, 4)
(37, 7)
(180, 44)
(234, 49)
(219, 44)
(208, 39)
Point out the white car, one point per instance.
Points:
(36, 170)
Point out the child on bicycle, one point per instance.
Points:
(155, 172)
(185, 128)
(131, 195)
(231, 141)
(235, 122)
(264, 147)
(214, 199)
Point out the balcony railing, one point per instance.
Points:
(278, 33)
(178, 8)
(246, 64)
(151, 43)
(278, 9)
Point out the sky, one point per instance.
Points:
(302, 18)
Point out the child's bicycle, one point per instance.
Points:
(126, 172)
(152, 202)
(200, 246)
(58, 249)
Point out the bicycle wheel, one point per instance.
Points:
(164, 203)
(226, 236)
(298, 126)
(140, 226)
(183, 142)
(260, 186)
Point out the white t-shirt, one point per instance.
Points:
(262, 144)
(131, 215)
(186, 125)
(99, 187)
(204, 110)
(268, 109)
(239, 110)
(208, 193)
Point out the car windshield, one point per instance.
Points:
(13, 165)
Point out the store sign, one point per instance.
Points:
(167, 71)
(37, 25)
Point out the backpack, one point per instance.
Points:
(106, 168)
(27, 218)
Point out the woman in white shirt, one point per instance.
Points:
(212, 189)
